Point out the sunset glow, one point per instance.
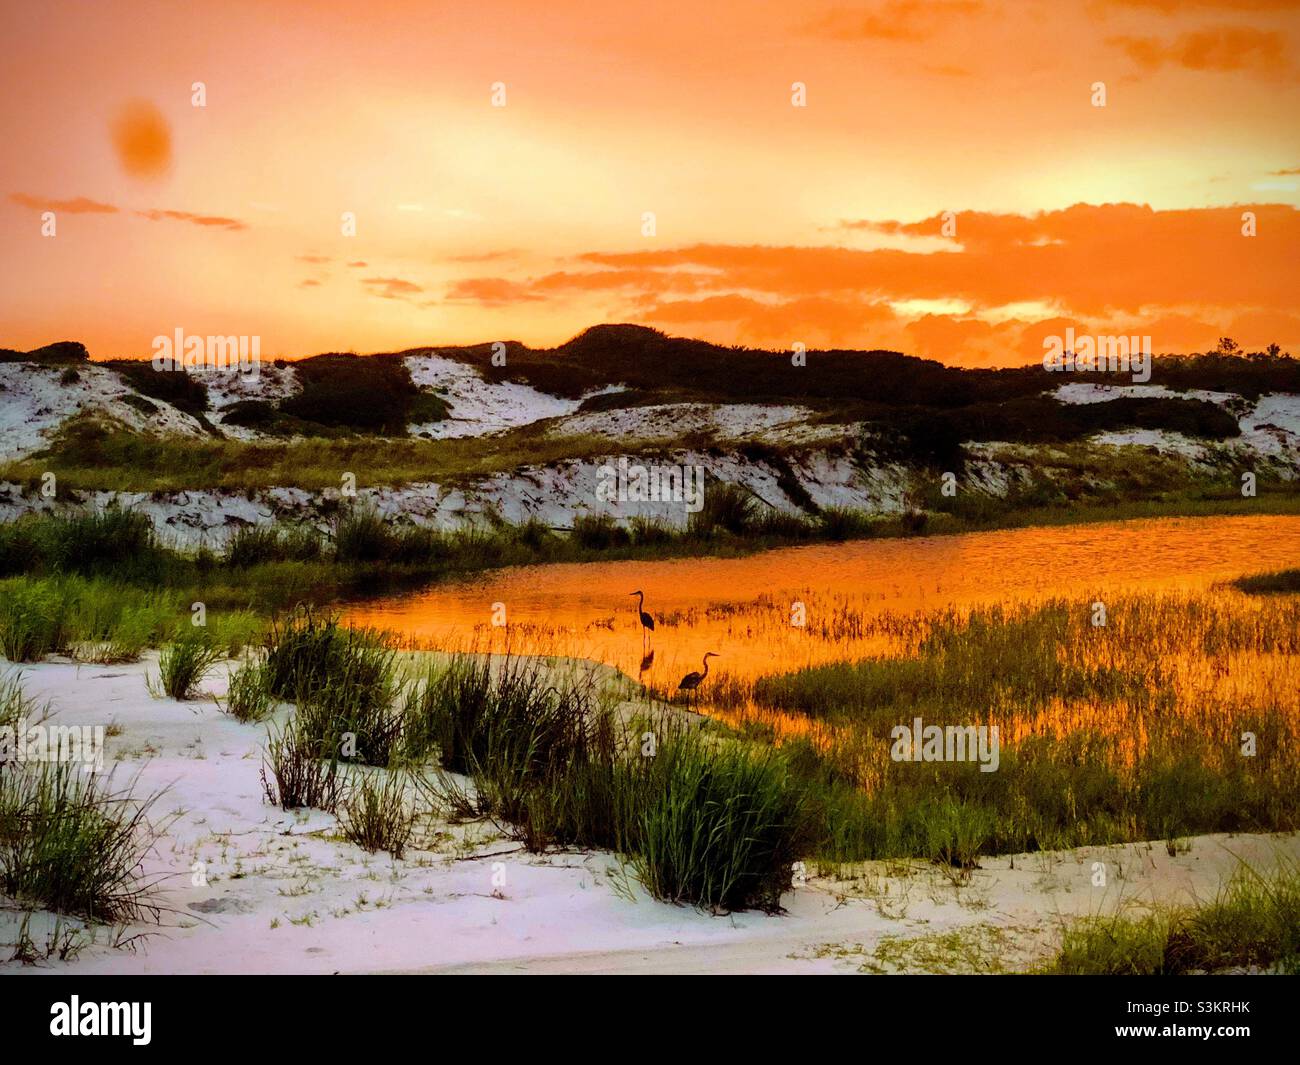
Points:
(773, 223)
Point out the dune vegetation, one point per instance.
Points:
(1252, 925)
(1129, 731)
(1174, 717)
(1177, 716)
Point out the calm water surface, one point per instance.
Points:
(745, 608)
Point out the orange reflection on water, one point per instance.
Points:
(855, 596)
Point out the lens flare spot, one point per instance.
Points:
(142, 139)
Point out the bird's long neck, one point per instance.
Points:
(706, 668)
(640, 600)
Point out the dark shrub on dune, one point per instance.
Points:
(177, 387)
(58, 352)
(372, 393)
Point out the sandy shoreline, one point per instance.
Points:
(281, 892)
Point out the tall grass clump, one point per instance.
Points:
(355, 714)
(719, 825)
(92, 542)
(712, 823)
(20, 549)
(248, 696)
(123, 639)
(599, 532)
(784, 525)
(185, 662)
(952, 833)
(70, 844)
(845, 523)
(305, 649)
(254, 545)
(233, 630)
(111, 541)
(649, 532)
(362, 535)
(33, 619)
(520, 735)
(342, 681)
(303, 771)
(726, 507)
(16, 708)
(535, 535)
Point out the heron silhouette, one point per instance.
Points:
(647, 622)
(692, 681)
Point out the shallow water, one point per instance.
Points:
(746, 609)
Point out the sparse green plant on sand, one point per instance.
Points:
(248, 694)
(184, 663)
(1253, 924)
(375, 813)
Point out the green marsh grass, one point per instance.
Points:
(517, 732)
(727, 508)
(248, 693)
(252, 545)
(100, 620)
(718, 825)
(363, 535)
(16, 707)
(704, 821)
(1179, 716)
(184, 664)
(71, 844)
(89, 542)
(33, 620)
(343, 683)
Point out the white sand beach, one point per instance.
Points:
(249, 888)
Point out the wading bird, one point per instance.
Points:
(691, 682)
(647, 622)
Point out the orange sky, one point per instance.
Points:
(774, 224)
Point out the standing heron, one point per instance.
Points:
(647, 622)
(692, 681)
